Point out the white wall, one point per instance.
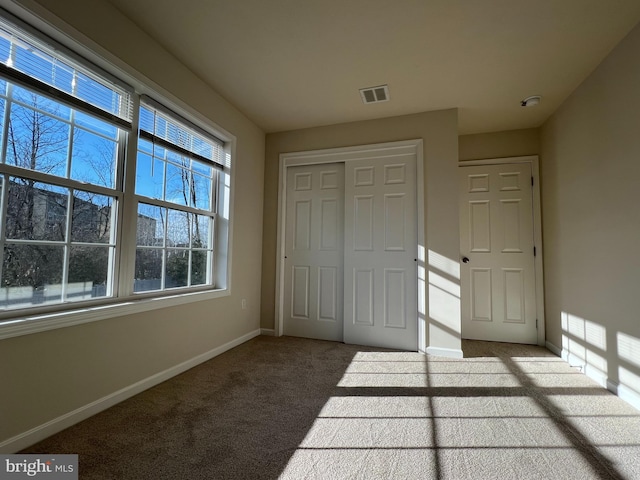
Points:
(591, 221)
(47, 375)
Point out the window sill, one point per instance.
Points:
(27, 325)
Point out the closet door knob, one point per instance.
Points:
(465, 260)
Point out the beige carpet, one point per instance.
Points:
(296, 409)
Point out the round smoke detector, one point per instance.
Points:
(531, 101)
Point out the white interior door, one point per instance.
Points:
(380, 302)
(314, 245)
(497, 240)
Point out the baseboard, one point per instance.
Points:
(268, 331)
(590, 371)
(58, 424)
(553, 349)
(567, 356)
(445, 352)
(624, 393)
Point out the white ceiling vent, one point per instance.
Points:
(375, 94)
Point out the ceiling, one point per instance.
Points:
(290, 64)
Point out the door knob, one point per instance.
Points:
(465, 260)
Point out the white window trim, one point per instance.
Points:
(67, 315)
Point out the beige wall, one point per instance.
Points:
(46, 375)
(439, 133)
(512, 143)
(591, 219)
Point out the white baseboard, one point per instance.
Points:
(597, 375)
(58, 424)
(553, 349)
(267, 331)
(445, 352)
(573, 360)
(625, 393)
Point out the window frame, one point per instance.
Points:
(16, 322)
(216, 169)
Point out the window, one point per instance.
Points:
(65, 198)
(176, 182)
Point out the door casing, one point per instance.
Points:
(345, 154)
(537, 229)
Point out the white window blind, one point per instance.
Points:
(164, 128)
(48, 69)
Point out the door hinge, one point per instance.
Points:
(532, 181)
(534, 251)
(536, 323)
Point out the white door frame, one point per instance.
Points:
(339, 155)
(537, 229)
